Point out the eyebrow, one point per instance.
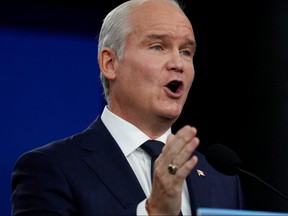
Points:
(165, 37)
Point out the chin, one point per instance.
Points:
(171, 115)
(169, 111)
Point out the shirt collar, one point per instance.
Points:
(127, 135)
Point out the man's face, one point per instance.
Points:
(157, 71)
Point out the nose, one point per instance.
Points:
(175, 62)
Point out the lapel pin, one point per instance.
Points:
(200, 172)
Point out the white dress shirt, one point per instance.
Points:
(129, 138)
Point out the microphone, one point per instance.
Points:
(226, 161)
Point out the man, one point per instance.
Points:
(145, 54)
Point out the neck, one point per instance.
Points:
(152, 126)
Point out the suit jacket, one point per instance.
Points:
(87, 174)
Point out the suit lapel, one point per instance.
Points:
(198, 186)
(111, 166)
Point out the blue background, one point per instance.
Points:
(50, 89)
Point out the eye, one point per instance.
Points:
(187, 53)
(157, 47)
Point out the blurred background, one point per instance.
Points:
(50, 87)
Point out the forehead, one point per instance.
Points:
(160, 15)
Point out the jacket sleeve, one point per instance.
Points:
(39, 187)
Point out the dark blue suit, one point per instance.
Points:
(87, 174)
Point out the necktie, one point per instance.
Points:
(153, 148)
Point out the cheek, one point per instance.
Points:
(191, 80)
(145, 72)
(190, 75)
(135, 77)
(143, 64)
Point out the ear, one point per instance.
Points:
(107, 63)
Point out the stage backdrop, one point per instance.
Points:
(50, 89)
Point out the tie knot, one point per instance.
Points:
(152, 147)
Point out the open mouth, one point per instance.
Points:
(175, 86)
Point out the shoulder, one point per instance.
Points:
(69, 147)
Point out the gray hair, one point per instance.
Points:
(114, 31)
